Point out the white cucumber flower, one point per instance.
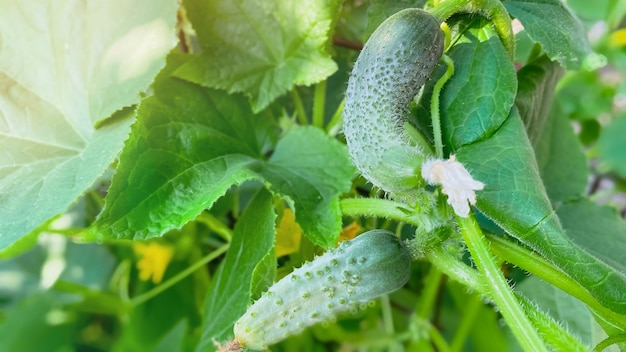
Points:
(456, 182)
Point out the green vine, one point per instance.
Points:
(491, 9)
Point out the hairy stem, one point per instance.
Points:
(492, 9)
(386, 209)
(524, 317)
(434, 105)
(500, 292)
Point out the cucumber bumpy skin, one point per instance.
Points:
(395, 62)
(357, 271)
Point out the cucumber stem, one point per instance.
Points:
(434, 105)
(458, 271)
(494, 10)
(500, 292)
(490, 284)
(558, 339)
(386, 209)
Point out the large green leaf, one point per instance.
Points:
(63, 69)
(229, 295)
(513, 196)
(562, 163)
(484, 76)
(259, 47)
(190, 144)
(536, 83)
(563, 308)
(187, 148)
(599, 230)
(552, 24)
(311, 169)
(515, 199)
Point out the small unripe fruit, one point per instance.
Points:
(357, 271)
(395, 63)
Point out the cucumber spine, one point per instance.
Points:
(394, 64)
(357, 271)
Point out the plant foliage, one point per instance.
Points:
(164, 163)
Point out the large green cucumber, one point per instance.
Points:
(395, 62)
(374, 263)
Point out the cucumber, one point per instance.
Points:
(357, 271)
(395, 62)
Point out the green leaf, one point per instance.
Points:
(229, 295)
(261, 48)
(562, 163)
(514, 198)
(379, 10)
(563, 308)
(55, 87)
(263, 275)
(612, 147)
(190, 144)
(311, 169)
(485, 76)
(535, 93)
(597, 229)
(525, 49)
(552, 24)
(187, 148)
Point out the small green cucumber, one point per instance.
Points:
(395, 62)
(357, 271)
